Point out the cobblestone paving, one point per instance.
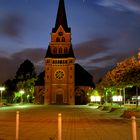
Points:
(78, 123)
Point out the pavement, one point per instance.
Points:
(38, 122)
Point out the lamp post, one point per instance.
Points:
(21, 92)
(1, 89)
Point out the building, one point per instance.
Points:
(61, 80)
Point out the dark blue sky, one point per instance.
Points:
(103, 32)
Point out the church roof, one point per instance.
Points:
(61, 18)
(40, 79)
(82, 77)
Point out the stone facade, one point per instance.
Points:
(60, 82)
(59, 63)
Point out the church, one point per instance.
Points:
(63, 81)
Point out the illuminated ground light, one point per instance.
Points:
(1, 89)
(95, 98)
(135, 99)
(117, 98)
(21, 92)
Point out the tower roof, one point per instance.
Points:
(61, 19)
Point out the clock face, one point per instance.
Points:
(59, 74)
(60, 33)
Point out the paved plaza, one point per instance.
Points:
(78, 123)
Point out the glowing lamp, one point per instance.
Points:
(95, 98)
(117, 98)
(21, 92)
(1, 89)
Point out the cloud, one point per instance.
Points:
(111, 59)
(105, 58)
(10, 25)
(93, 55)
(121, 5)
(4, 54)
(33, 54)
(10, 63)
(97, 57)
(90, 48)
(7, 69)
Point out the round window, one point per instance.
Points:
(59, 74)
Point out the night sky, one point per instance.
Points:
(104, 32)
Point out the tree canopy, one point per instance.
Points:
(25, 77)
(124, 74)
(26, 71)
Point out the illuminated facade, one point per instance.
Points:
(64, 81)
(59, 63)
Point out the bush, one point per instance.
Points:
(106, 108)
(113, 109)
(130, 113)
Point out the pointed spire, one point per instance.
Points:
(61, 18)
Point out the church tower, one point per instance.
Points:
(60, 63)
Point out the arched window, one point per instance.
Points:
(54, 50)
(57, 39)
(60, 50)
(65, 50)
(48, 61)
(63, 39)
(60, 61)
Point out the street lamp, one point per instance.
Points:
(21, 92)
(1, 89)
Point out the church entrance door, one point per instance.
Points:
(59, 99)
(59, 96)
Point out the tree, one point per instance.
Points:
(26, 71)
(25, 77)
(10, 89)
(132, 77)
(125, 74)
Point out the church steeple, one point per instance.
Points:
(60, 45)
(61, 19)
